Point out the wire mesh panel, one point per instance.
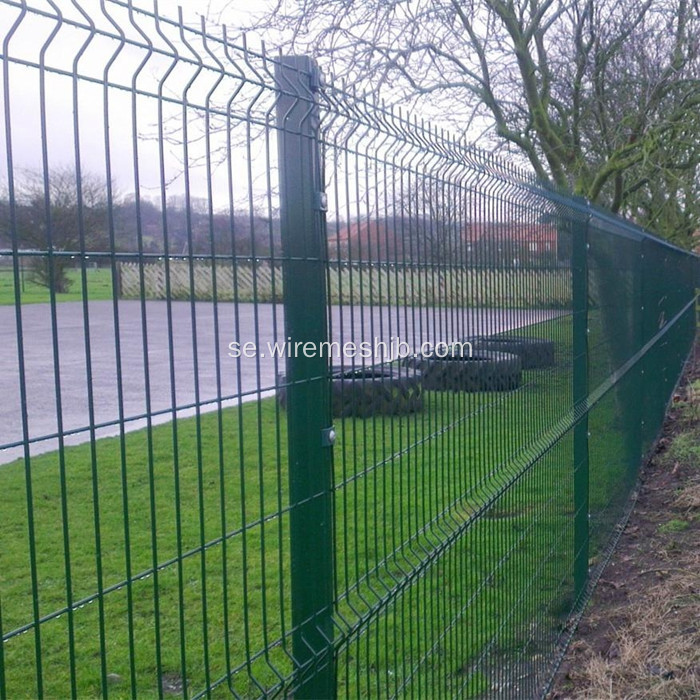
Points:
(453, 477)
(302, 396)
(145, 488)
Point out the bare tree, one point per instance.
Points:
(58, 217)
(600, 96)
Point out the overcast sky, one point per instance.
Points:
(58, 100)
(129, 144)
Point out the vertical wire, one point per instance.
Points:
(185, 105)
(217, 360)
(434, 419)
(118, 354)
(55, 351)
(88, 357)
(151, 467)
(372, 461)
(497, 318)
(379, 451)
(323, 149)
(451, 458)
(239, 410)
(470, 476)
(396, 221)
(273, 262)
(350, 305)
(456, 454)
(360, 457)
(171, 344)
(394, 293)
(329, 155)
(339, 486)
(445, 440)
(349, 463)
(521, 267)
(422, 500)
(444, 433)
(363, 467)
(414, 186)
(482, 450)
(456, 261)
(458, 574)
(396, 441)
(350, 441)
(256, 325)
(238, 407)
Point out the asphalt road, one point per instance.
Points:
(74, 389)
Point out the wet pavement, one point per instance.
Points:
(181, 366)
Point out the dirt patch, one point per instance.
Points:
(640, 636)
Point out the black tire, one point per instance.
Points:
(485, 370)
(534, 353)
(370, 391)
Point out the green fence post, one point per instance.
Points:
(638, 394)
(304, 248)
(579, 281)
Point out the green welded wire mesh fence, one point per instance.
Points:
(301, 395)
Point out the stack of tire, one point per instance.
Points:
(534, 353)
(369, 391)
(480, 370)
(495, 363)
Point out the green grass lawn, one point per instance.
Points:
(185, 530)
(99, 282)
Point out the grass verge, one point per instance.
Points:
(161, 557)
(99, 284)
